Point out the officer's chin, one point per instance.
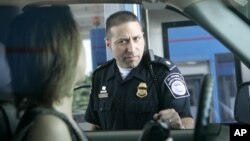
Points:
(133, 64)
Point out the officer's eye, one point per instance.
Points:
(123, 41)
(137, 38)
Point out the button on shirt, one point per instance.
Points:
(123, 104)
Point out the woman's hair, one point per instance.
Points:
(43, 49)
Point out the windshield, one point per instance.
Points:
(170, 35)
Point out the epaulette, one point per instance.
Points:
(106, 64)
(164, 62)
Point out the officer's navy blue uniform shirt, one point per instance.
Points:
(117, 103)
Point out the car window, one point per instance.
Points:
(196, 52)
(221, 63)
(91, 19)
(219, 60)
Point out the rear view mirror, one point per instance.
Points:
(242, 104)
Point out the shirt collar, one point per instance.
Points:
(138, 72)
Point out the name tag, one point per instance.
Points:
(103, 95)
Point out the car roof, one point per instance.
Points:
(25, 2)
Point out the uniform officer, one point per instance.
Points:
(125, 93)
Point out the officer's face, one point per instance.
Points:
(126, 44)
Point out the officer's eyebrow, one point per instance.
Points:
(129, 37)
(122, 38)
(125, 38)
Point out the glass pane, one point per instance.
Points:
(196, 52)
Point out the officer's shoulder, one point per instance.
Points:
(104, 66)
(163, 62)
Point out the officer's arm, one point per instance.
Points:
(187, 122)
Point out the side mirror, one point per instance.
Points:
(242, 104)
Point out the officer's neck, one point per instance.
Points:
(124, 71)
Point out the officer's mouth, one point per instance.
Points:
(132, 58)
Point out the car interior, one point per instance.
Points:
(242, 104)
(226, 21)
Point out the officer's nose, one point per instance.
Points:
(131, 46)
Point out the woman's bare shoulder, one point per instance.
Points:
(49, 128)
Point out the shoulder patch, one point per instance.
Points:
(176, 85)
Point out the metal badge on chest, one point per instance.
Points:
(142, 90)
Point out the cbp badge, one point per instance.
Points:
(142, 90)
(176, 85)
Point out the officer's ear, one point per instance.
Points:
(108, 42)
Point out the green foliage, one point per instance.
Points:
(81, 96)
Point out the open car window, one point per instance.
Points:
(194, 46)
(173, 36)
(165, 34)
(173, 30)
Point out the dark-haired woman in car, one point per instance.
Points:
(46, 60)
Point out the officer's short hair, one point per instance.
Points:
(119, 18)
